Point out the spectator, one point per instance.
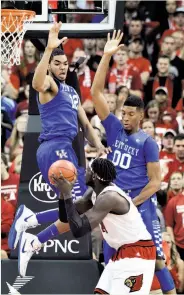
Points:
(16, 165)
(148, 127)
(10, 83)
(134, 10)
(124, 74)
(167, 121)
(152, 111)
(15, 143)
(122, 93)
(135, 30)
(161, 97)
(174, 222)
(22, 107)
(164, 79)
(173, 262)
(168, 48)
(6, 128)
(178, 163)
(89, 46)
(28, 64)
(100, 44)
(167, 152)
(179, 18)
(179, 43)
(85, 75)
(9, 183)
(93, 48)
(137, 60)
(171, 6)
(178, 23)
(7, 216)
(175, 185)
(70, 46)
(8, 104)
(111, 101)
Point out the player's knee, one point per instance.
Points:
(62, 211)
(165, 279)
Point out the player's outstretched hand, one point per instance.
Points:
(102, 150)
(63, 184)
(53, 40)
(112, 45)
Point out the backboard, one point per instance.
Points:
(80, 18)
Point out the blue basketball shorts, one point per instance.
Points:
(60, 149)
(150, 218)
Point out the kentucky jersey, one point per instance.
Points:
(59, 116)
(130, 154)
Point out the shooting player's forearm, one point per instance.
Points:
(79, 225)
(150, 189)
(41, 70)
(100, 76)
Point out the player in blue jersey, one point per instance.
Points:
(60, 108)
(135, 155)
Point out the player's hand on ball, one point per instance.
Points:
(53, 40)
(112, 45)
(102, 150)
(63, 184)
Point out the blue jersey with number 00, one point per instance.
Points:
(130, 154)
(59, 116)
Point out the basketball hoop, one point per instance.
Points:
(13, 28)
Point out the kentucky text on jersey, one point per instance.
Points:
(130, 154)
(129, 149)
(59, 116)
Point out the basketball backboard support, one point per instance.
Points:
(105, 18)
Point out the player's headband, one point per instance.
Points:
(101, 179)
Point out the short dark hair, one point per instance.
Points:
(134, 101)
(118, 90)
(164, 56)
(104, 169)
(179, 137)
(56, 51)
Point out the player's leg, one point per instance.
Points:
(104, 283)
(132, 275)
(150, 219)
(29, 244)
(25, 219)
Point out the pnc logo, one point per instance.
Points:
(40, 190)
(65, 246)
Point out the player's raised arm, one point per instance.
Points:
(41, 81)
(97, 89)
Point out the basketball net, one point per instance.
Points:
(13, 28)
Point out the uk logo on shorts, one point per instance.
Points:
(62, 154)
(134, 283)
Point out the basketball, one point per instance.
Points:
(65, 167)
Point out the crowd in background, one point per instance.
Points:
(150, 65)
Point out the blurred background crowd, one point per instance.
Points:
(150, 65)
